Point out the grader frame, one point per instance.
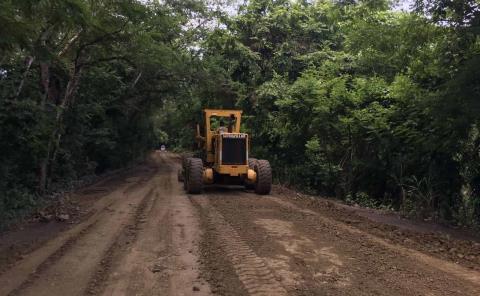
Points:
(225, 160)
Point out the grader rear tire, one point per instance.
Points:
(264, 177)
(252, 162)
(185, 166)
(180, 176)
(194, 176)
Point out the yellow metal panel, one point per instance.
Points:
(232, 170)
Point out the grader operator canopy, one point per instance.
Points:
(225, 156)
(220, 122)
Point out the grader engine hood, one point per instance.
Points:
(233, 149)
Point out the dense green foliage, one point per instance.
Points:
(359, 100)
(79, 85)
(347, 98)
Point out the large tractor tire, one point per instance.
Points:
(184, 172)
(194, 176)
(252, 162)
(185, 160)
(180, 176)
(264, 177)
(251, 165)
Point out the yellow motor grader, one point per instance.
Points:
(225, 157)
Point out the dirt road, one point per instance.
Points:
(140, 234)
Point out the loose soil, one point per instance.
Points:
(138, 233)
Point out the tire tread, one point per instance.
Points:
(195, 176)
(263, 185)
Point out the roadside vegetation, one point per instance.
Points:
(79, 85)
(353, 99)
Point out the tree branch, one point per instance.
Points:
(101, 38)
(69, 43)
(136, 79)
(109, 59)
(29, 61)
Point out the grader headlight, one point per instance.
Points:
(251, 176)
(208, 176)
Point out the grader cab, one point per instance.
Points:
(225, 157)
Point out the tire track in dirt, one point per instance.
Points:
(25, 271)
(140, 239)
(251, 270)
(117, 270)
(143, 239)
(312, 257)
(127, 235)
(52, 259)
(62, 264)
(163, 260)
(456, 245)
(445, 266)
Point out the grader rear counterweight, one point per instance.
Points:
(225, 156)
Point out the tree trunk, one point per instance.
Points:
(42, 182)
(29, 61)
(43, 170)
(45, 81)
(55, 136)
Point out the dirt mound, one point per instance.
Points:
(439, 244)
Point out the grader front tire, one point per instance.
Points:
(194, 176)
(264, 177)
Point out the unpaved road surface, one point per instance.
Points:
(140, 234)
